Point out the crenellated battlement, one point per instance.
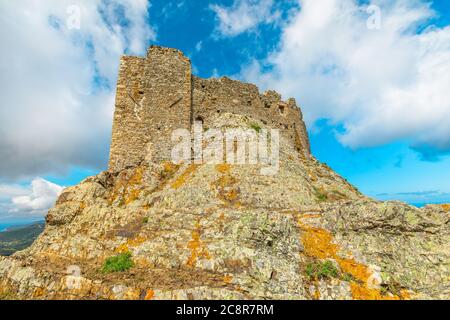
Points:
(157, 94)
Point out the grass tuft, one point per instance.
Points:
(119, 263)
(256, 127)
(321, 270)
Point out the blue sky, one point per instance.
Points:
(374, 92)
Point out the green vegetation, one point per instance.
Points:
(320, 195)
(119, 263)
(321, 270)
(145, 220)
(7, 296)
(256, 127)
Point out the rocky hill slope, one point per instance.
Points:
(165, 231)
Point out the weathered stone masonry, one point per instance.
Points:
(158, 94)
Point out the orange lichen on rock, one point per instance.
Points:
(357, 270)
(132, 196)
(130, 243)
(227, 278)
(318, 243)
(38, 292)
(446, 207)
(136, 178)
(149, 295)
(128, 189)
(184, 176)
(230, 195)
(316, 295)
(169, 167)
(226, 189)
(197, 247)
(223, 168)
(362, 292)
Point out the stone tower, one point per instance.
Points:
(153, 98)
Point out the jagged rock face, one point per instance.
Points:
(227, 232)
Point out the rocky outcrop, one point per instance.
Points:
(221, 231)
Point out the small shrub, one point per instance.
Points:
(321, 270)
(119, 263)
(145, 220)
(256, 127)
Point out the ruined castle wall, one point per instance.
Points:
(215, 96)
(158, 94)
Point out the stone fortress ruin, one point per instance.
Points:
(158, 94)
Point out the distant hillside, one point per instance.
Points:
(19, 238)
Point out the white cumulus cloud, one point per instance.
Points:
(244, 15)
(40, 198)
(382, 85)
(58, 80)
(18, 201)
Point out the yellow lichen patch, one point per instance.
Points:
(226, 190)
(318, 243)
(132, 294)
(39, 292)
(223, 168)
(361, 292)
(357, 270)
(131, 243)
(169, 169)
(132, 196)
(446, 207)
(405, 294)
(316, 294)
(149, 294)
(230, 195)
(132, 190)
(143, 262)
(198, 249)
(309, 215)
(128, 189)
(225, 181)
(227, 278)
(184, 176)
